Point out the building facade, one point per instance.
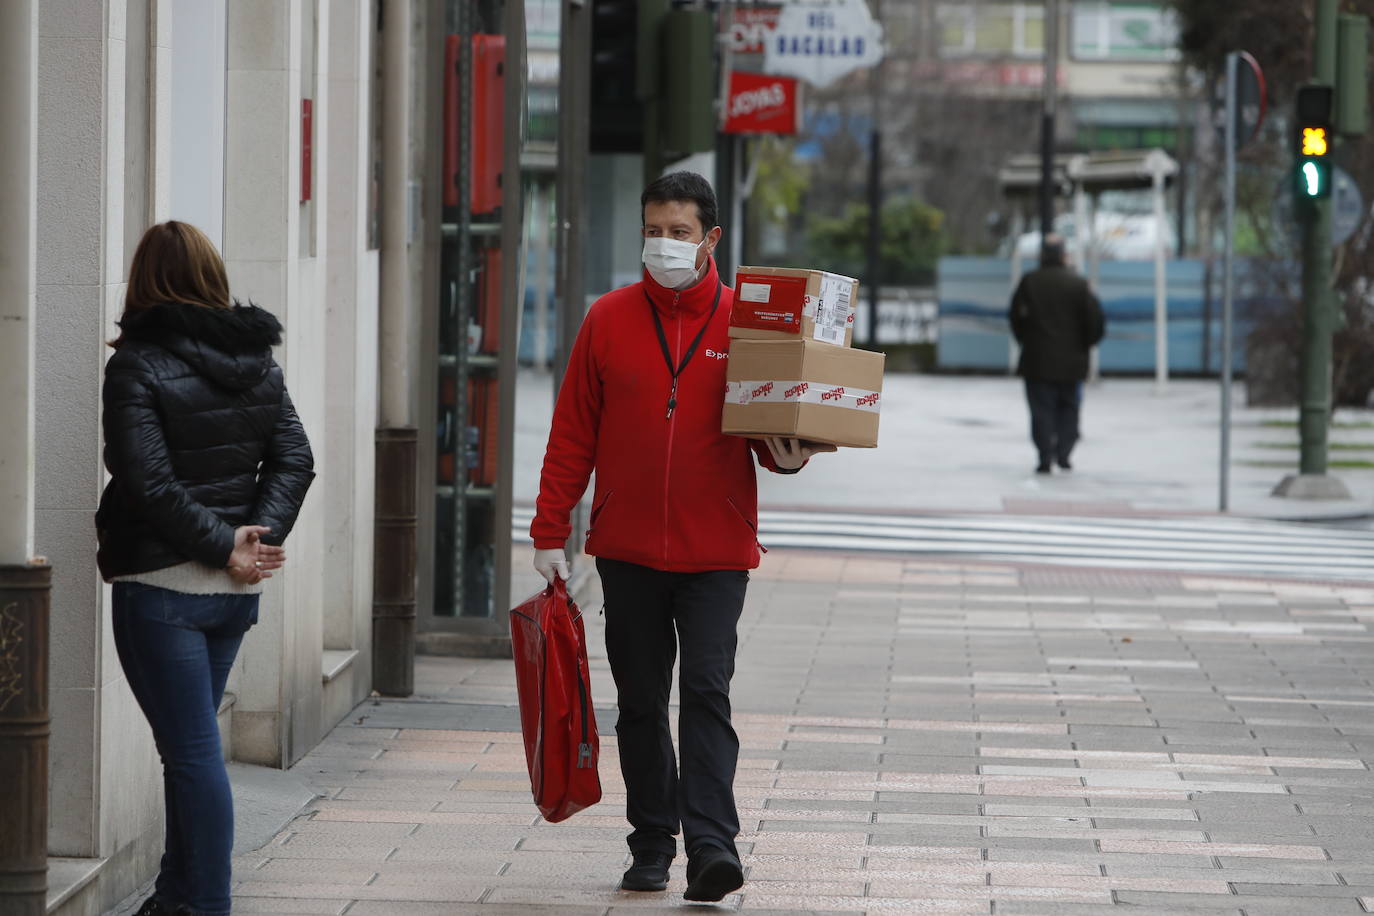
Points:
(322, 145)
(254, 120)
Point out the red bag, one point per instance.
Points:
(556, 715)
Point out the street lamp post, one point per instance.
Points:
(1047, 118)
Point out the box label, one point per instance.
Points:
(797, 392)
(755, 292)
(834, 312)
(830, 335)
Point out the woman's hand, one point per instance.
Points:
(791, 454)
(252, 560)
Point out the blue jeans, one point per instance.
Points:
(176, 651)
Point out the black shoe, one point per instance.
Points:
(648, 873)
(711, 874)
(156, 906)
(1042, 469)
(1064, 464)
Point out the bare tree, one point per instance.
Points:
(1279, 34)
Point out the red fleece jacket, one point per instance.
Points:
(672, 493)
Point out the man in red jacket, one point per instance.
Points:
(673, 527)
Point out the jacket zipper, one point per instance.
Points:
(672, 422)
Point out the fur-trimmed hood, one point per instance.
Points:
(232, 346)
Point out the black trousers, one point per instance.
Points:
(648, 614)
(1054, 417)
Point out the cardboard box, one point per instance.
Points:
(785, 303)
(803, 388)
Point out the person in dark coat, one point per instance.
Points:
(1057, 321)
(209, 466)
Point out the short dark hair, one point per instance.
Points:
(683, 186)
(1052, 252)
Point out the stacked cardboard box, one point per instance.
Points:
(791, 372)
(784, 303)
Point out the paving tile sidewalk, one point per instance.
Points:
(917, 737)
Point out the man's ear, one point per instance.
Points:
(713, 238)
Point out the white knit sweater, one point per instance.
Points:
(192, 579)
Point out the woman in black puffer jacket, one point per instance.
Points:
(209, 466)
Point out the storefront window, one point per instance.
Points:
(541, 31)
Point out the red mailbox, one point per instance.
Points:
(486, 121)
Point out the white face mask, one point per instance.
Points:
(670, 262)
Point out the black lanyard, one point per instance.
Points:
(692, 349)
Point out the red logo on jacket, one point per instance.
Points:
(834, 394)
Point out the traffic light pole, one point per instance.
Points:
(1228, 283)
(1316, 280)
(1317, 329)
(1319, 303)
(874, 254)
(1048, 103)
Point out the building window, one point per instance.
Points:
(991, 29)
(1122, 31)
(197, 117)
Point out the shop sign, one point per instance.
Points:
(762, 104)
(822, 40)
(751, 27)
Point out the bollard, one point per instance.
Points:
(25, 595)
(393, 588)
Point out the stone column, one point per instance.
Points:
(18, 229)
(267, 250)
(24, 581)
(393, 614)
(351, 292)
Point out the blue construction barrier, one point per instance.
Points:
(974, 294)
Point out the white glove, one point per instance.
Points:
(790, 454)
(550, 563)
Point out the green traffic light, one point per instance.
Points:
(1314, 179)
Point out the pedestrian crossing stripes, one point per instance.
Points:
(1200, 545)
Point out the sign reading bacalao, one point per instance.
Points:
(822, 40)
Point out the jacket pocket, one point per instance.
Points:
(597, 509)
(753, 528)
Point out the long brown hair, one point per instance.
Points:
(175, 263)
